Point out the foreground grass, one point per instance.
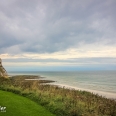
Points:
(20, 106)
(60, 101)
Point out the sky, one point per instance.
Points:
(58, 35)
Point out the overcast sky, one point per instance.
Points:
(58, 33)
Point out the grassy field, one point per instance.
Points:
(60, 101)
(20, 106)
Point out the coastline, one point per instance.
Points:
(100, 93)
(52, 82)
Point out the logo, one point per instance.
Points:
(2, 109)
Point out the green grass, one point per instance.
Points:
(20, 106)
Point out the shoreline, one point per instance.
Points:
(100, 93)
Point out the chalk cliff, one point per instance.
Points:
(2, 70)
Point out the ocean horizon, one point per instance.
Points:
(98, 82)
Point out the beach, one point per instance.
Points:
(100, 93)
(97, 82)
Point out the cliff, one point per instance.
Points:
(2, 70)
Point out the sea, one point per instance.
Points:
(97, 82)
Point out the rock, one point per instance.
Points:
(2, 70)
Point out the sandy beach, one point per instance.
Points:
(100, 93)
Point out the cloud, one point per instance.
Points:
(33, 26)
(84, 56)
(58, 33)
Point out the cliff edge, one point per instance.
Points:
(2, 70)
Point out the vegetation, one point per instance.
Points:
(60, 101)
(20, 106)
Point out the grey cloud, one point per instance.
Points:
(75, 61)
(5, 43)
(96, 60)
(49, 26)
